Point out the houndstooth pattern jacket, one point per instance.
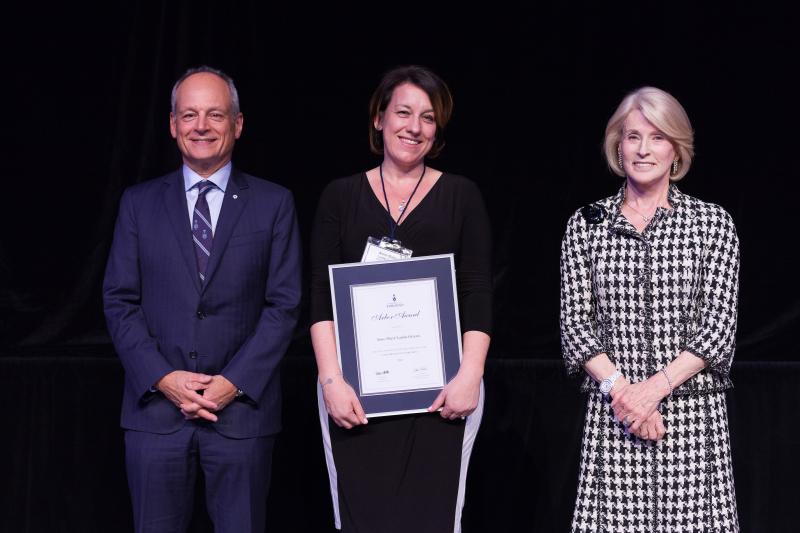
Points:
(644, 298)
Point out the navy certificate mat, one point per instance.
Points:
(440, 267)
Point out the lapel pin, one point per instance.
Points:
(235, 196)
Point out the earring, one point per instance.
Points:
(674, 167)
(619, 159)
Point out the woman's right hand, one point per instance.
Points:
(342, 403)
(341, 400)
(652, 428)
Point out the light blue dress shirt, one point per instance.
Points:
(214, 197)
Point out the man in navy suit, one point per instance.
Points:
(201, 296)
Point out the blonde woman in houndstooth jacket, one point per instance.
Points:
(649, 286)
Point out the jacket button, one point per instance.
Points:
(193, 354)
(201, 315)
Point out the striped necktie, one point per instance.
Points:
(201, 228)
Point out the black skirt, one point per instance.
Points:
(401, 473)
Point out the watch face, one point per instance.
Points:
(605, 386)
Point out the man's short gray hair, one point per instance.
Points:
(205, 68)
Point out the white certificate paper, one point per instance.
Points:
(398, 336)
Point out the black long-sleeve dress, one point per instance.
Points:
(403, 473)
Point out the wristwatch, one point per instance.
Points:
(607, 384)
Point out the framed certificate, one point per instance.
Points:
(397, 331)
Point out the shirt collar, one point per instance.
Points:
(620, 223)
(219, 178)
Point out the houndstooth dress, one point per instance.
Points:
(642, 299)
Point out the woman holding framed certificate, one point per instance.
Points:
(403, 473)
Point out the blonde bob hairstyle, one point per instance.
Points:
(664, 112)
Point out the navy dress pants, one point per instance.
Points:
(162, 471)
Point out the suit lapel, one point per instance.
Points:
(232, 207)
(178, 213)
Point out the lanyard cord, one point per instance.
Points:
(392, 223)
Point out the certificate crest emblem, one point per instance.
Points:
(394, 302)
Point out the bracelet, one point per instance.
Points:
(669, 381)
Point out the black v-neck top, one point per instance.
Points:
(451, 218)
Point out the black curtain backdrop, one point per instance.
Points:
(86, 115)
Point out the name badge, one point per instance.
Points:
(384, 249)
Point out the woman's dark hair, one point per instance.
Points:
(425, 79)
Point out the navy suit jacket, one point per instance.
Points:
(238, 324)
